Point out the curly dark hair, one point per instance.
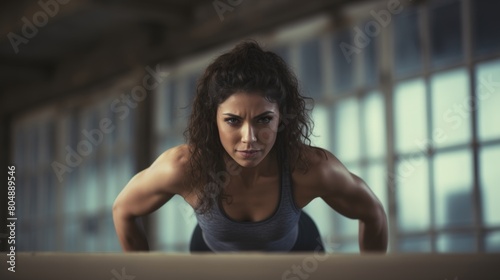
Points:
(246, 68)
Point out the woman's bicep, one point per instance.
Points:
(151, 188)
(349, 195)
(143, 194)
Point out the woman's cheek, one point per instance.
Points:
(266, 135)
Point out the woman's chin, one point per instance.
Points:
(247, 163)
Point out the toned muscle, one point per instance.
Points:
(328, 179)
(155, 185)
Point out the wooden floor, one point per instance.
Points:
(255, 266)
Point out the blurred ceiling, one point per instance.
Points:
(42, 41)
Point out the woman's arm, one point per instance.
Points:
(146, 192)
(348, 194)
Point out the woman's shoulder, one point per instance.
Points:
(317, 157)
(177, 156)
(321, 166)
(174, 164)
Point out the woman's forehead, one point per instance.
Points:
(247, 98)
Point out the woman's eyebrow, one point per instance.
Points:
(256, 117)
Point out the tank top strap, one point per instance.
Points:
(287, 198)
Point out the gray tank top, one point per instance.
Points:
(276, 233)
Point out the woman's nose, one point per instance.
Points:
(249, 135)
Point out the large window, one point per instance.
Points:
(71, 164)
(439, 120)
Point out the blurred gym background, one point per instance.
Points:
(407, 95)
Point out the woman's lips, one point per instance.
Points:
(248, 153)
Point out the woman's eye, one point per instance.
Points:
(231, 120)
(266, 119)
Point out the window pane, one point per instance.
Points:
(90, 188)
(71, 234)
(453, 189)
(90, 231)
(51, 195)
(321, 118)
(410, 116)
(106, 172)
(485, 25)
(70, 179)
(322, 214)
(49, 242)
(412, 193)
(346, 136)
(345, 226)
(450, 114)
(446, 32)
(112, 243)
(124, 170)
(419, 244)
(493, 242)
(408, 58)
(490, 185)
(456, 243)
(310, 68)
(374, 125)
(175, 221)
(488, 97)
(71, 204)
(343, 64)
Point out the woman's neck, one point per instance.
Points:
(268, 167)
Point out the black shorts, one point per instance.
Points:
(308, 238)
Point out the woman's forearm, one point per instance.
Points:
(131, 236)
(373, 233)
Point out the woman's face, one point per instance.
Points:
(248, 125)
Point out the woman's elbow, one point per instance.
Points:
(120, 211)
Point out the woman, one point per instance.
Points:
(248, 168)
